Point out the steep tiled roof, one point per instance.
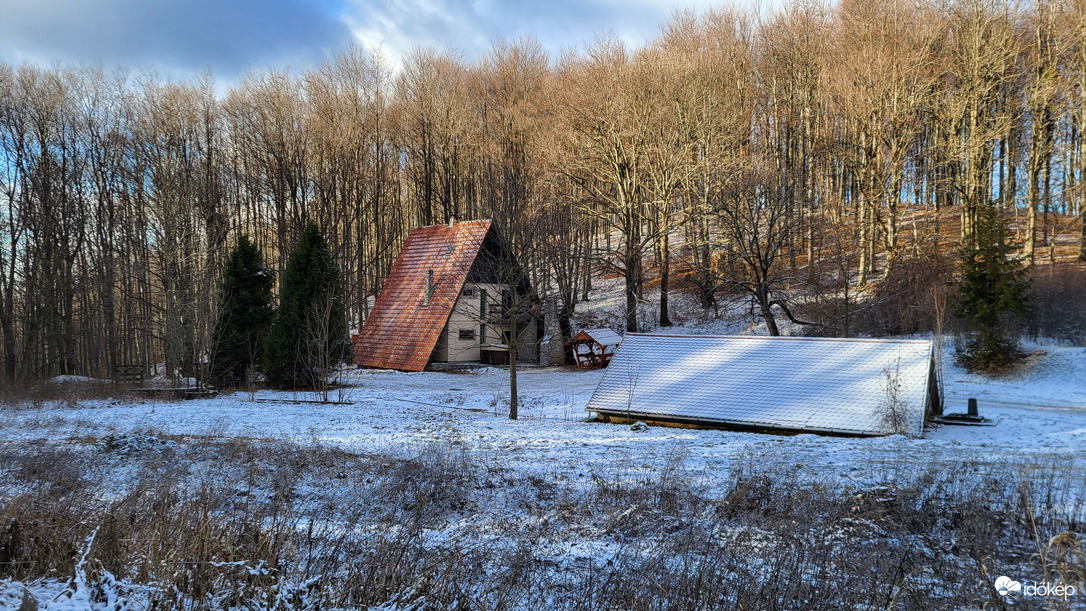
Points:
(401, 332)
(803, 384)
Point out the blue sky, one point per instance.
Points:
(185, 37)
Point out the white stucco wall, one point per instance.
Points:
(466, 316)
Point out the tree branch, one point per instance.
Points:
(788, 313)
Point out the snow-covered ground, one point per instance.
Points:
(1039, 418)
(1040, 411)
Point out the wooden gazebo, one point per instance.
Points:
(593, 348)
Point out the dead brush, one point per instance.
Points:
(762, 488)
(263, 522)
(38, 527)
(644, 504)
(70, 394)
(1064, 560)
(1058, 293)
(438, 479)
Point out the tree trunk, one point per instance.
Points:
(862, 279)
(665, 267)
(767, 314)
(8, 330)
(1082, 236)
(1032, 201)
(513, 345)
(633, 266)
(1080, 35)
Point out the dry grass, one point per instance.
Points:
(234, 523)
(69, 393)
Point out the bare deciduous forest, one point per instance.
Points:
(819, 161)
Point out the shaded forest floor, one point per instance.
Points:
(904, 302)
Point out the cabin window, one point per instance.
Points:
(467, 333)
(469, 292)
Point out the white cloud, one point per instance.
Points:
(470, 26)
(398, 26)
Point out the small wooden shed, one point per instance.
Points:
(593, 348)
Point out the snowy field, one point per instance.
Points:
(1040, 411)
(1039, 420)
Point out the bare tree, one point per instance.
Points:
(1042, 102)
(755, 226)
(513, 83)
(12, 135)
(672, 153)
(880, 78)
(981, 62)
(724, 79)
(800, 127)
(608, 109)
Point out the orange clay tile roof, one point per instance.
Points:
(401, 332)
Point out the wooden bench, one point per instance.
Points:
(129, 374)
(187, 394)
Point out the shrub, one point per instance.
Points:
(309, 335)
(905, 301)
(244, 314)
(992, 292)
(1058, 294)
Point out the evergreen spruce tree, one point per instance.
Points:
(309, 335)
(992, 290)
(244, 314)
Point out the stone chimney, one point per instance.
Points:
(552, 350)
(429, 287)
(452, 221)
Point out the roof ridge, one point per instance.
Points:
(458, 222)
(878, 340)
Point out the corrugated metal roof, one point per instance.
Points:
(401, 332)
(803, 384)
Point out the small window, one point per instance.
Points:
(469, 292)
(467, 333)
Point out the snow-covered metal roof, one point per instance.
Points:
(848, 386)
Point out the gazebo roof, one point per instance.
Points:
(603, 337)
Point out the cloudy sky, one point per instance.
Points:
(185, 37)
